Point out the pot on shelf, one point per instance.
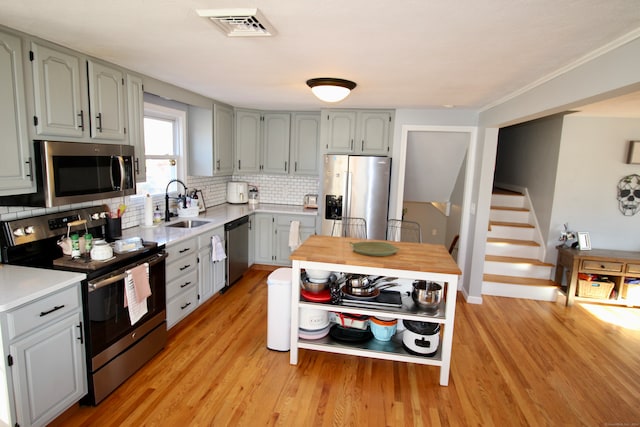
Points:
(427, 295)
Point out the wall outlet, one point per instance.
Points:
(434, 232)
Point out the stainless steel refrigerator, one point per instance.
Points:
(356, 186)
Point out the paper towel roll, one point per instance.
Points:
(148, 211)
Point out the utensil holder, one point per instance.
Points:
(114, 229)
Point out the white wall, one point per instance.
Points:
(423, 117)
(433, 224)
(592, 160)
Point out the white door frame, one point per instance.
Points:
(468, 209)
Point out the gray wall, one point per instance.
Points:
(527, 157)
(592, 160)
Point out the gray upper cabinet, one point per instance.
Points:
(135, 110)
(305, 143)
(275, 143)
(248, 134)
(341, 131)
(60, 109)
(357, 131)
(223, 139)
(373, 132)
(76, 98)
(210, 141)
(106, 101)
(17, 152)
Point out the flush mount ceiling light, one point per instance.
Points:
(239, 22)
(329, 89)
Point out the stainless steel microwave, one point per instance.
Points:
(74, 172)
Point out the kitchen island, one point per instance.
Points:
(412, 261)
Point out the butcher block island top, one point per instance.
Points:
(410, 256)
(404, 262)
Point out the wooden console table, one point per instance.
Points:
(617, 265)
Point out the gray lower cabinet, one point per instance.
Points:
(182, 280)
(272, 236)
(17, 154)
(211, 274)
(42, 343)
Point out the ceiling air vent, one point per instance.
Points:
(239, 22)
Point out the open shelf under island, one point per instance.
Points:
(412, 261)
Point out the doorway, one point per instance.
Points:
(435, 175)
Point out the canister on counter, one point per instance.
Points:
(88, 242)
(75, 246)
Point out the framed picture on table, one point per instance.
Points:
(584, 241)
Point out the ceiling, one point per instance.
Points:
(408, 54)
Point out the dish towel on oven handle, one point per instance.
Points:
(217, 249)
(294, 235)
(136, 291)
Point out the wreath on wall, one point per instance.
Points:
(629, 195)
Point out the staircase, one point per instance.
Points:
(513, 262)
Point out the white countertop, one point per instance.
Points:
(216, 216)
(20, 285)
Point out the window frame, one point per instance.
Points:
(179, 117)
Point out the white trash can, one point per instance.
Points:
(279, 310)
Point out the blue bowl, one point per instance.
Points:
(382, 332)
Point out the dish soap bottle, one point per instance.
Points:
(157, 216)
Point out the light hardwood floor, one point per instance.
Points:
(514, 363)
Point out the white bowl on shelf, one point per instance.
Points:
(318, 276)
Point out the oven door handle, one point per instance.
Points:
(106, 282)
(112, 279)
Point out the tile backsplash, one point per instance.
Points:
(279, 189)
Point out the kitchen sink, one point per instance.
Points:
(190, 223)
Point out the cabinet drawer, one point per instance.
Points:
(181, 283)
(42, 311)
(305, 220)
(181, 249)
(601, 266)
(633, 268)
(179, 307)
(182, 266)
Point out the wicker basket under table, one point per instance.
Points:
(594, 289)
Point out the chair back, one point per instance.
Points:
(350, 227)
(403, 231)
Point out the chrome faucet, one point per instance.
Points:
(167, 215)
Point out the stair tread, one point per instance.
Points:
(515, 280)
(509, 208)
(511, 224)
(512, 241)
(504, 192)
(517, 260)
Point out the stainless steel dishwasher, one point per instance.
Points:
(237, 241)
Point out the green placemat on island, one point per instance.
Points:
(374, 248)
